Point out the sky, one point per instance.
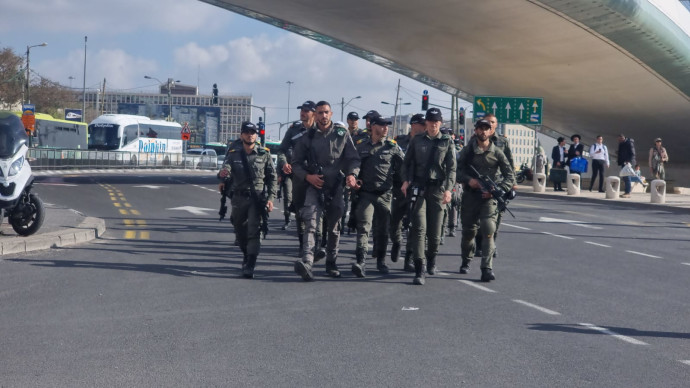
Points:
(198, 44)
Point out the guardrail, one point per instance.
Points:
(59, 159)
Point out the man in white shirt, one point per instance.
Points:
(600, 157)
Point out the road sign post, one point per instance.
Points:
(510, 110)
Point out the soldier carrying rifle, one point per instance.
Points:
(249, 171)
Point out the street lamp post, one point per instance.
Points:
(288, 109)
(343, 104)
(170, 84)
(28, 72)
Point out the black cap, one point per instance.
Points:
(482, 123)
(371, 114)
(308, 105)
(248, 126)
(446, 130)
(433, 114)
(417, 119)
(352, 116)
(378, 120)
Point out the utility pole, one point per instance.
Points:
(288, 109)
(83, 97)
(103, 99)
(395, 111)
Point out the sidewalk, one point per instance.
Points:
(61, 227)
(673, 201)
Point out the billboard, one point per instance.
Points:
(204, 121)
(73, 114)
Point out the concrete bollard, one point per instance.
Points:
(658, 191)
(573, 184)
(539, 182)
(613, 187)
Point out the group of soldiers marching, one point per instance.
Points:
(419, 182)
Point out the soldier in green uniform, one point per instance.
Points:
(253, 185)
(399, 205)
(294, 190)
(380, 167)
(453, 210)
(356, 134)
(321, 158)
(479, 210)
(429, 171)
(503, 144)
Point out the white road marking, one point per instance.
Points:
(685, 263)
(410, 308)
(515, 226)
(475, 285)
(558, 235)
(597, 244)
(644, 254)
(199, 211)
(153, 187)
(534, 306)
(614, 334)
(686, 362)
(570, 222)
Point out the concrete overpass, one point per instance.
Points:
(602, 66)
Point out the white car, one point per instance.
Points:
(201, 158)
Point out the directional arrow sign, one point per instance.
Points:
(510, 110)
(197, 211)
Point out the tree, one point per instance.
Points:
(51, 97)
(11, 77)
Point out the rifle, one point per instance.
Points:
(496, 192)
(223, 198)
(260, 202)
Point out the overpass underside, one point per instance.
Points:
(602, 66)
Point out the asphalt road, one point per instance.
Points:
(586, 295)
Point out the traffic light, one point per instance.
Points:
(214, 100)
(262, 132)
(425, 102)
(461, 118)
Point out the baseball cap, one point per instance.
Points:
(371, 114)
(446, 130)
(433, 114)
(482, 123)
(378, 120)
(657, 139)
(417, 119)
(248, 126)
(308, 105)
(352, 116)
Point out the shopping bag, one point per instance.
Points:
(558, 175)
(627, 170)
(578, 164)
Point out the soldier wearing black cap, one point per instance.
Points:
(479, 210)
(321, 158)
(252, 172)
(355, 133)
(429, 171)
(380, 169)
(399, 205)
(293, 193)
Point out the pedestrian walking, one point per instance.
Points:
(600, 160)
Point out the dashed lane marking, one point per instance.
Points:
(536, 307)
(558, 235)
(614, 334)
(515, 226)
(477, 286)
(685, 263)
(686, 362)
(644, 254)
(124, 212)
(597, 244)
(130, 234)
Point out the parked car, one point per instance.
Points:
(201, 158)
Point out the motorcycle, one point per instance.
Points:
(524, 173)
(24, 210)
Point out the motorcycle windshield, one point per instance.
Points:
(12, 135)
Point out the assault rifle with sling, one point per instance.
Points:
(489, 186)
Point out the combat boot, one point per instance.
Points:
(487, 275)
(248, 269)
(381, 260)
(319, 248)
(451, 232)
(443, 239)
(304, 270)
(287, 222)
(465, 266)
(359, 267)
(419, 272)
(431, 264)
(332, 269)
(395, 251)
(408, 266)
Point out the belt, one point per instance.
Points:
(243, 193)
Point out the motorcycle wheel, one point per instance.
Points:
(29, 223)
(520, 178)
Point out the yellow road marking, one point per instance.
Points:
(128, 222)
(135, 212)
(127, 205)
(143, 235)
(124, 211)
(116, 204)
(130, 234)
(141, 222)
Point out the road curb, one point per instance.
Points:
(612, 202)
(89, 229)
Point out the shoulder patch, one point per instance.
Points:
(391, 142)
(341, 131)
(231, 150)
(360, 141)
(267, 150)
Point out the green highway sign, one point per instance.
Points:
(510, 110)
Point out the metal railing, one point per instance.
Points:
(62, 159)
